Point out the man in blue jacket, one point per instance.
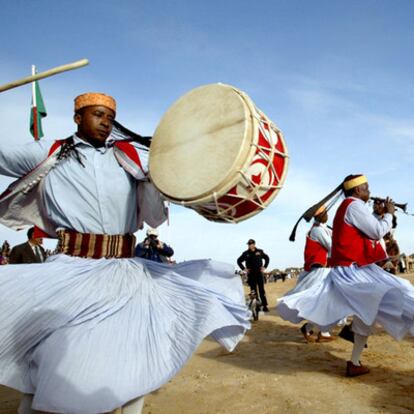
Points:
(154, 249)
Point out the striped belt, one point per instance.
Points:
(95, 246)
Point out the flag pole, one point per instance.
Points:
(42, 75)
(34, 106)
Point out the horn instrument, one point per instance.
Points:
(401, 206)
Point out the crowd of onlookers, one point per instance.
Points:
(152, 248)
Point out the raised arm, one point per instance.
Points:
(18, 160)
(360, 216)
(166, 250)
(142, 250)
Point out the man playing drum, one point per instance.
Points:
(92, 328)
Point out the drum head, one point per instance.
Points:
(201, 142)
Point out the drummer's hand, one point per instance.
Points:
(262, 269)
(389, 206)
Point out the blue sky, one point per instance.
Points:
(336, 76)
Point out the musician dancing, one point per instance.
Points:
(317, 252)
(93, 328)
(356, 286)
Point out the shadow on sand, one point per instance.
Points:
(274, 348)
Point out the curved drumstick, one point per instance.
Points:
(41, 75)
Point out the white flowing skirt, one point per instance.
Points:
(369, 293)
(86, 336)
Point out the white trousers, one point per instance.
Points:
(360, 327)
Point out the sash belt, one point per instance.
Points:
(95, 246)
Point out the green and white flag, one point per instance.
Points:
(37, 112)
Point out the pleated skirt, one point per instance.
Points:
(368, 292)
(86, 336)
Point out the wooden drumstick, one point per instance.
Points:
(41, 75)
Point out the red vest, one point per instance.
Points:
(350, 245)
(315, 254)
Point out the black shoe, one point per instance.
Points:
(265, 309)
(304, 330)
(307, 335)
(348, 334)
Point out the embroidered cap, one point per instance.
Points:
(94, 98)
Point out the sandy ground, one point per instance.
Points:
(273, 370)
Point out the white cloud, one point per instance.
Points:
(319, 100)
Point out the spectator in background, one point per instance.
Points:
(256, 261)
(5, 249)
(154, 249)
(401, 265)
(30, 252)
(5, 253)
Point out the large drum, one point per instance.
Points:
(216, 153)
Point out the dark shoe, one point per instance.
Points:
(324, 338)
(355, 370)
(307, 335)
(265, 309)
(348, 334)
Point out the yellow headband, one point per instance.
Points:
(355, 182)
(92, 99)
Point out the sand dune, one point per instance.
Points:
(274, 371)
